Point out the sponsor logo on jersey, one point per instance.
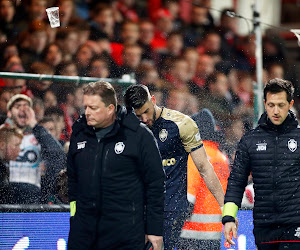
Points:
(81, 145)
(292, 145)
(163, 135)
(261, 146)
(119, 147)
(168, 162)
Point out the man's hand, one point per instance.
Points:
(156, 241)
(30, 115)
(228, 228)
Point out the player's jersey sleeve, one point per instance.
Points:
(189, 134)
(188, 130)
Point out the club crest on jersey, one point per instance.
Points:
(119, 147)
(292, 145)
(163, 135)
(261, 146)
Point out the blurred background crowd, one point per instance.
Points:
(189, 60)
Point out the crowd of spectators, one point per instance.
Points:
(189, 62)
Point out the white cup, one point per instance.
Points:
(53, 16)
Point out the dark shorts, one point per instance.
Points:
(277, 237)
(173, 223)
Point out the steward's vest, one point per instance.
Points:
(205, 222)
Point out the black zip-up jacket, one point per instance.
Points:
(272, 154)
(115, 178)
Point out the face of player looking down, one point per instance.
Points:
(147, 113)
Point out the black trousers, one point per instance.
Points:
(87, 233)
(277, 237)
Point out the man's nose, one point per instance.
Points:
(144, 118)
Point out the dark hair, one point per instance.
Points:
(104, 89)
(136, 96)
(278, 85)
(54, 111)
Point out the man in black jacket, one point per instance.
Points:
(270, 152)
(115, 177)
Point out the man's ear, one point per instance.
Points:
(9, 114)
(153, 99)
(111, 108)
(2, 146)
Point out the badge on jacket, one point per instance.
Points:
(292, 145)
(119, 147)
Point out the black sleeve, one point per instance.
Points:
(72, 173)
(238, 178)
(154, 181)
(54, 158)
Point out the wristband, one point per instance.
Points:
(72, 208)
(230, 209)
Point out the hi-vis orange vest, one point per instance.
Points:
(205, 222)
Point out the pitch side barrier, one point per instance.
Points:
(125, 81)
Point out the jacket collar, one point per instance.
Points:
(289, 123)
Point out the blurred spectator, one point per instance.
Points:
(83, 57)
(129, 35)
(233, 131)
(164, 25)
(71, 113)
(16, 86)
(103, 22)
(132, 56)
(174, 47)
(211, 45)
(176, 74)
(205, 67)
(68, 40)
(38, 108)
(57, 115)
(67, 13)
(146, 28)
(127, 9)
(39, 87)
(99, 67)
(275, 70)
(8, 19)
(52, 55)
(36, 40)
(217, 98)
(31, 10)
(174, 8)
(37, 145)
(49, 124)
(191, 55)
(182, 101)
(228, 30)
(50, 99)
(5, 95)
(7, 50)
(10, 142)
(200, 24)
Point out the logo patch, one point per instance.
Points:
(163, 135)
(81, 145)
(261, 146)
(197, 137)
(297, 234)
(292, 145)
(119, 147)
